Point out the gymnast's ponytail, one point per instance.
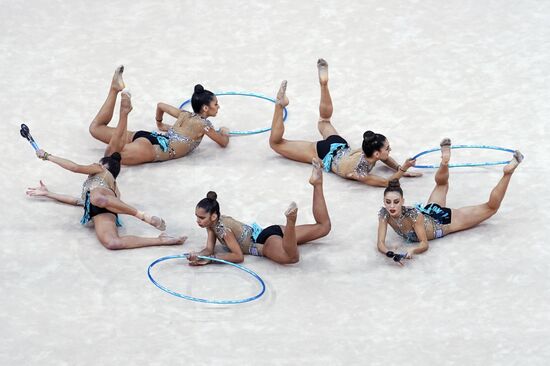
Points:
(200, 97)
(210, 203)
(372, 142)
(113, 163)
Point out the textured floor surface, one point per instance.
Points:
(416, 71)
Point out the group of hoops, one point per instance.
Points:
(102, 205)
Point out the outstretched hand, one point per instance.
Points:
(412, 174)
(224, 131)
(397, 258)
(194, 260)
(408, 163)
(38, 191)
(41, 154)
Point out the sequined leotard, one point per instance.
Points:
(183, 137)
(100, 180)
(404, 225)
(347, 161)
(242, 232)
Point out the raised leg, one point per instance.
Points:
(118, 137)
(325, 105)
(107, 234)
(467, 217)
(285, 250)
(102, 197)
(303, 151)
(99, 126)
(322, 226)
(439, 194)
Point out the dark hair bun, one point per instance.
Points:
(394, 183)
(198, 88)
(212, 195)
(116, 156)
(369, 135)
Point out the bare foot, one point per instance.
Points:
(445, 150)
(125, 102)
(291, 212)
(282, 99)
(322, 67)
(170, 240)
(317, 173)
(117, 83)
(513, 164)
(154, 221)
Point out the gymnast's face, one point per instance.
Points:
(385, 151)
(212, 108)
(204, 219)
(393, 202)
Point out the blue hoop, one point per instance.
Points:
(246, 94)
(198, 299)
(488, 163)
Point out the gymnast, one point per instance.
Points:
(100, 194)
(277, 242)
(420, 224)
(333, 149)
(180, 139)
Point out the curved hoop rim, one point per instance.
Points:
(246, 94)
(460, 165)
(198, 299)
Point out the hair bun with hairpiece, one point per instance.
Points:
(394, 183)
(116, 156)
(212, 195)
(369, 135)
(199, 88)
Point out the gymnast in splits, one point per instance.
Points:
(334, 150)
(180, 139)
(100, 194)
(422, 223)
(277, 242)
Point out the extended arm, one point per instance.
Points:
(382, 231)
(165, 108)
(236, 254)
(42, 191)
(377, 181)
(392, 164)
(221, 137)
(69, 165)
(420, 231)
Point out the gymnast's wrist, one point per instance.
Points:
(400, 168)
(158, 120)
(45, 156)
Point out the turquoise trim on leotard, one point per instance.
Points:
(163, 141)
(86, 217)
(256, 230)
(327, 160)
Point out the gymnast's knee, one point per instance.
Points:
(98, 199)
(112, 242)
(325, 228)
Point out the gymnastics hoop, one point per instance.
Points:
(487, 163)
(198, 299)
(246, 94)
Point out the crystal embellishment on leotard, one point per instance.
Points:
(221, 231)
(411, 213)
(363, 168)
(174, 136)
(92, 182)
